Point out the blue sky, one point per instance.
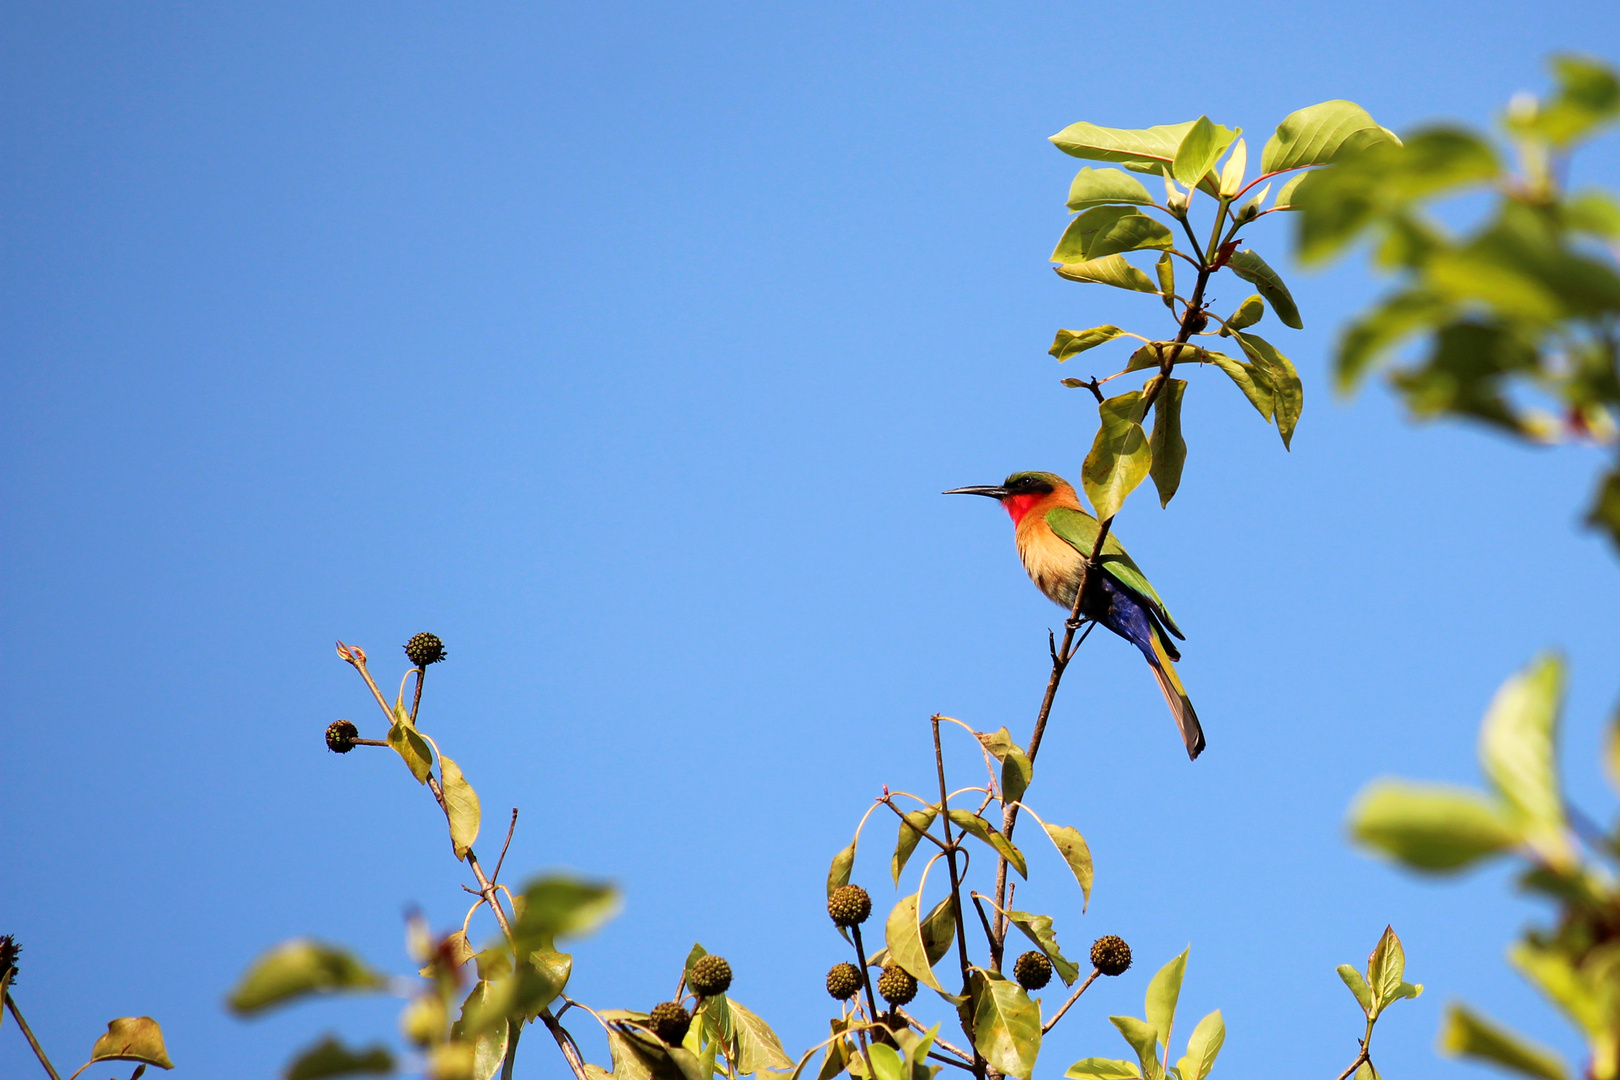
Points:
(628, 351)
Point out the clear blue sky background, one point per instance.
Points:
(628, 351)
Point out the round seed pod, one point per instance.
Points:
(424, 649)
(340, 736)
(849, 905)
(896, 985)
(1032, 970)
(711, 975)
(844, 981)
(670, 1022)
(1110, 955)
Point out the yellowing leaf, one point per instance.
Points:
(132, 1038)
(462, 806)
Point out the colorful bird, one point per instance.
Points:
(1055, 537)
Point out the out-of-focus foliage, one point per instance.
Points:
(1519, 314)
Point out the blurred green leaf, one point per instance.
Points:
(1248, 313)
(489, 1046)
(1167, 449)
(1588, 97)
(1162, 994)
(1016, 772)
(1605, 510)
(1368, 337)
(1358, 986)
(757, 1045)
(982, 830)
(1465, 1033)
(1205, 1043)
(555, 906)
(1108, 230)
(1517, 749)
(1462, 375)
(1102, 1069)
(1120, 457)
(1253, 269)
(521, 994)
(842, 864)
(916, 823)
(330, 1057)
(1038, 928)
(1320, 134)
(1287, 393)
(1253, 381)
(1430, 827)
(1584, 999)
(903, 936)
(1095, 187)
(413, 749)
(462, 802)
(1072, 846)
(1143, 1038)
(132, 1038)
(1074, 342)
(1006, 1024)
(1111, 270)
(1594, 212)
(296, 968)
(1200, 148)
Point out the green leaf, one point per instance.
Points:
(1120, 457)
(1096, 187)
(1074, 342)
(555, 906)
(1072, 846)
(522, 993)
(1006, 1023)
(296, 968)
(903, 936)
(1517, 747)
(1143, 1038)
(489, 1047)
(1162, 994)
(1465, 1033)
(1199, 150)
(1253, 381)
(1016, 772)
(981, 829)
(462, 803)
(1108, 230)
(1232, 172)
(1604, 513)
(641, 1055)
(939, 931)
(413, 749)
(1095, 1068)
(1038, 928)
(715, 1014)
(1386, 970)
(1165, 269)
(1167, 449)
(842, 864)
(1358, 986)
(132, 1038)
(1372, 334)
(1205, 1043)
(1581, 992)
(1111, 270)
(1286, 193)
(1287, 393)
(1248, 313)
(1148, 148)
(1588, 97)
(1430, 827)
(330, 1057)
(1253, 269)
(757, 1045)
(912, 827)
(1594, 212)
(1321, 134)
(886, 1062)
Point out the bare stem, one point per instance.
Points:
(1074, 997)
(956, 877)
(28, 1034)
(510, 829)
(416, 702)
(866, 975)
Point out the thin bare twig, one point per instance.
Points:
(28, 1034)
(939, 1042)
(956, 877)
(1074, 997)
(510, 829)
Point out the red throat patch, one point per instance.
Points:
(1019, 505)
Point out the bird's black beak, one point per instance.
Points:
(995, 491)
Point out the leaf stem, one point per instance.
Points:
(39, 1052)
(1074, 997)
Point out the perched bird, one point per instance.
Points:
(1055, 537)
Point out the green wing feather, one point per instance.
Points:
(1078, 529)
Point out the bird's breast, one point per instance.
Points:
(1051, 563)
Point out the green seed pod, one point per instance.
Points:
(896, 985)
(340, 736)
(711, 975)
(849, 905)
(424, 649)
(1110, 955)
(844, 981)
(670, 1022)
(1032, 970)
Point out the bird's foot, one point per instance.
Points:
(1071, 625)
